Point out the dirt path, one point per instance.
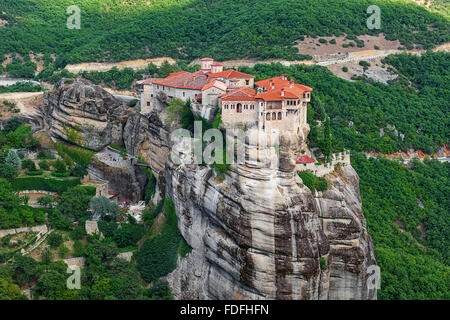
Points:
(105, 66)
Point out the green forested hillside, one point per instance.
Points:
(408, 217)
(125, 29)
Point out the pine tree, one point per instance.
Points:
(13, 159)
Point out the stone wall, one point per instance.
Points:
(342, 159)
(37, 229)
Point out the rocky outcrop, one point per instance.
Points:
(261, 234)
(85, 114)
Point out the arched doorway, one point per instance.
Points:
(239, 108)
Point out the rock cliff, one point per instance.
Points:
(262, 234)
(85, 114)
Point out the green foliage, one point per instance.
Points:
(149, 215)
(44, 183)
(21, 69)
(323, 263)
(160, 290)
(74, 202)
(13, 213)
(174, 109)
(25, 269)
(8, 172)
(235, 29)
(55, 239)
(392, 196)
(44, 165)
(21, 87)
(102, 206)
(11, 124)
(28, 164)
(128, 235)
(12, 159)
(312, 182)
(46, 201)
(158, 255)
(79, 155)
(10, 291)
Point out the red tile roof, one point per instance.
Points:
(217, 64)
(228, 74)
(304, 159)
(185, 80)
(240, 94)
(215, 83)
(280, 86)
(206, 59)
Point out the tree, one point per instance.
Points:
(47, 201)
(55, 239)
(25, 269)
(79, 171)
(102, 206)
(74, 202)
(59, 166)
(174, 109)
(160, 290)
(13, 159)
(11, 125)
(10, 291)
(8, 172)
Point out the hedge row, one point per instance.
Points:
(45, 184)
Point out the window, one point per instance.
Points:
(247, 82)
(184, 94)
(239, 108)
(274, 116)
(279, 116)
(267, 116)
(148, 103)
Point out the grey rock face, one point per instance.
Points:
(261, 234)
(85, 114)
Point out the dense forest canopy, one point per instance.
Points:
(408, 218)
(186, 29)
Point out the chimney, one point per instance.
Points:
(284, 77)
(291, 82)
(282, 92)
(271, 84)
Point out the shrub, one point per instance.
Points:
(323, 263)
(60, 174)
(28, 164)
(333, 41)
(44, 183)
(59, 166)
(44, 165)
(38, 172)
(55, 239)
(322, 40)
(312, 182)
(345, 69)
